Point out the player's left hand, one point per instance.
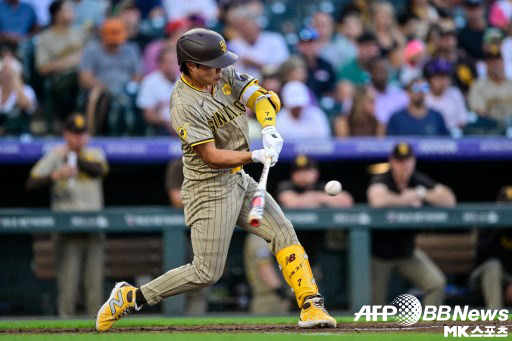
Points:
(260, 155)
(272, 139)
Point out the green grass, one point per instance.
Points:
(228, 337)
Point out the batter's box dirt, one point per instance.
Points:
(358, 327)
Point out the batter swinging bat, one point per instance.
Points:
(258, 199)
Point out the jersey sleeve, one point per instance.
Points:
(239, 82)
(45, 166)
(190, 125)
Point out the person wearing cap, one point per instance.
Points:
(490, 97)
(208, 113)
(254, 47)
(443, 97)
(321, 77)
(356, 71)
(74, 172)
(394, 250)
(58, 53)
(300, 119)
(492, 276)
(470, 37)
(417, 119)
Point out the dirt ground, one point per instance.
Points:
(359, 327)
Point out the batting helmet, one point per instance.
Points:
(205, 47)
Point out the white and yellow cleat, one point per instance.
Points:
(314, 315)
(120, 303)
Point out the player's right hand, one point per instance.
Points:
(260, 155)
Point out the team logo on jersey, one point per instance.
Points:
(226, 89)
(223, 47)
(182, 132)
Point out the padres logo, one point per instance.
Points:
(226, 89)
(182, 132)
(223, 47)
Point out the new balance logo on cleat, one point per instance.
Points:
(289, 259)
(116, 302)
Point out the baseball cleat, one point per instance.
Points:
(314, 315)
(120, 303)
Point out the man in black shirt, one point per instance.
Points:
(471, 36)
(394, 250)
(493, 274)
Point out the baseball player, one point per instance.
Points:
(208, 113)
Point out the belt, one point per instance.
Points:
(236, 169)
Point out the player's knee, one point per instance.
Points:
(437, 282)
(493, 266)
(209, 277)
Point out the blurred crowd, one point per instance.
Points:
(341, 68)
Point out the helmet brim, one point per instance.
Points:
(227, 59)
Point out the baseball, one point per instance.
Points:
(333, 187)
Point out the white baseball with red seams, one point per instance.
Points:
(333, 187)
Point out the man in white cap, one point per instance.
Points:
(300, 119)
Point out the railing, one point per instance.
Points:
(159, 150)
(358, 221)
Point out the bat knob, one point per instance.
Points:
(255, 223)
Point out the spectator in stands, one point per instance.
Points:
(17, 100)
(109, 68)
(18, 21)
(196, 301)
(417, 18)
(178, 9)
(256, 48)
(58, 54)
(356, 71)
(336, 49)
(303, 190)
(294, 69)
(151, 9)
(394, 250)
(269, 294)
(350, 31)
(471, 36)
(385, 27)
(491, 97)
(361, 121)
(446, 49)
(414, 57)
(389, 98)
(299, 119)
(506, 51)
(173, 30)
(443, 97)
(74, 173)
(153, 97)
(500, 14)
(493, 273)
(89, 14)
(41, 9)
(321, 77)
(417, 118)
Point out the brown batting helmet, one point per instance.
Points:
(205, 47)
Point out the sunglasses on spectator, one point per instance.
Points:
(418, 88)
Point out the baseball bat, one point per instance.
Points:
(258, 199)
